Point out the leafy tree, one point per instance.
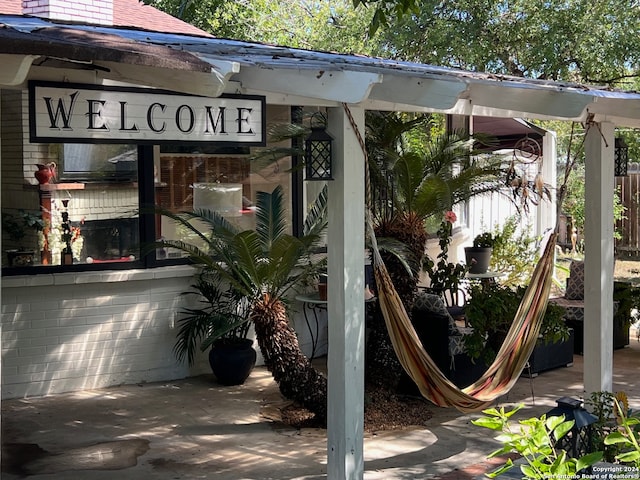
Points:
(223, 18)
(573, 40)
(330, 26)
(385, 10)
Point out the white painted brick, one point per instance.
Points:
(49, 323)
(135, 335)
(45, 306)
(67, 305)
(31, 352)
(33, 333)
(97, 320)
(128, 300)
(15, 326)
(59, 331)
(8, 355)
(44, 341)
(68, 321)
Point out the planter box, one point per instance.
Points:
(620, 335)
(551, 355)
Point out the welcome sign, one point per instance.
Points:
(73, 113)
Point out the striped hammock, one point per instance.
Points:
(510, 360)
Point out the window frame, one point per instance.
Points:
(147, 220)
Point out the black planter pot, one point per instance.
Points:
(232, 362)
(478, 258)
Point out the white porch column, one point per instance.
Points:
(598, 232)
(345, 238)
(547, 211)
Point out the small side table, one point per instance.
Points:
(312, 302)
(486, 279)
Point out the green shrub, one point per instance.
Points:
(534, 439)
(514, 253)
(490, 311)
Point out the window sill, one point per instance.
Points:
(50, 187)
(112, 276)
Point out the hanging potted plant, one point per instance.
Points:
(220, 322)
(478, 256)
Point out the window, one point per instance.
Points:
(97, 210)
(97, 162)
(226, 184)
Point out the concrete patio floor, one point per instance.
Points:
(194, 428)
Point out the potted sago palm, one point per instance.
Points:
(262, 266)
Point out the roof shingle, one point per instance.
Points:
(129, 13)
(134, 13)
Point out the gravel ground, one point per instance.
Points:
(383, 411)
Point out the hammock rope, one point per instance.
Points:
(513, 355)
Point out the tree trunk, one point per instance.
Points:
(297, 379)
(383, 369)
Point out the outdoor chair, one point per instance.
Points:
(455, 301)
(443, 340)
(573, 302)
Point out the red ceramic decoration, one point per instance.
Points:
(45, 173)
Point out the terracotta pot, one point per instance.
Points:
(322, 291)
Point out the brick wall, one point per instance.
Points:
(68, 332)
(91, 11)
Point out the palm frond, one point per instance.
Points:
(271, 220)
(195, 253)
(316, 221)
(400, 251)
(408, 175)
(243, 258)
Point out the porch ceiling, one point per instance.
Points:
(293, 76)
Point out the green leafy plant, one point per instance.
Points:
(602, 405)
(626, 436)
(534, 439)
(485, 240)
(444, 275)
(514, 252)
(490, 310)
(16, 226)
(628, 297)
(223, 315)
